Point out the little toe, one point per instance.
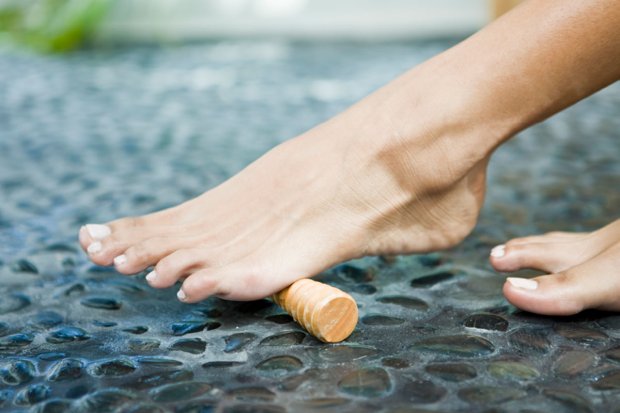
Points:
(592, 284)
(146, 253)
(177, 265)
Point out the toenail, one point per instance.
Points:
(120, 260)
(181, 295)
(523, 283)
(150, 277)
(498, 251)
(94, 248)
(97, 231)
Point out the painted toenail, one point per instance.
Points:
(97, 231)
(94, 248)
(181, 295)
(120, 260)
(523, 283)
(498, 251)
(150, 277)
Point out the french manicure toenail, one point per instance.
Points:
(523, 283)
(94, 248)
(151, 276)
(98, 231)
(181, 295)
(498, 251)
(120, 260)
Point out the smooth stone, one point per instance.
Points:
(607, 381)
(572, 363)
(252, 394)
(67, 334)
(613, 353)
(17, 372)
(321, 403)
(280, 318)
(486, 321)
(100, 323)
(136, 330)
(126, 286)
(345, 353)
(354, 273)
(431, 279)
(143, 344)
(253, 408)
(54, 406)
(530, 340)
(290, 338)
(185, 390)
(113, 368)
(429, 260)
(280, 365)
(253, 307)
(15, 341)
(381, 320)
(582, 335)
(187, 327)
(292, 382)
(33, 394)
(75, 290)
(485, 395)
(403, 301)
(462, 345)
(24, 265)
(237, 342)
(514, 370)
(221, 364)
(159, 378)
(48, 319)
(453, 372)
(395, 363)
(106, 400)
(103, 303)
(365, 289)
(189, 345)
(145, 408)
(366, 382)
(4, 329)
(51, 356)
(199, 406)
(155, 361)
(572, 401)
(66, 369)
(423, 391)
(13, 302)
(60, 247)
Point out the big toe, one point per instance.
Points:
(592, 284)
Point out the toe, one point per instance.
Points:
(592, 284)
(146, 253)
(544, 256)
(177, 265)
(90, 233)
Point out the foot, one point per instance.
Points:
(582, 271)
(361, 184)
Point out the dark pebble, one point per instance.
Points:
(100, 323)
(366, 382)
(253, 408)
(284, 339)
(431, 279)
(252, 394)
(395, 363)
(430, 260)
(572, 401)
(136, 329)
(143, 344)
(113, 368)
(151, 380)
(51, 356)
(485, 321)
(464, 345)
(103, 303)
(607, 381)
(54, 406)
(24, 265)
(572, 363)
(13, 302)
(582, 335)
(67, 369)
(365, 289)
(75, 290)
(485, 395)
(33, 394)
(238, 342)
(280, 365)
(222, 364)
(48, 319)
(423, 391)
(381, 320)
(15, 341)
(17, 372)
(254, 307)
(280, 318)
(403, 301)
(106, 400)
(189, 345)
(530, 340)
(4, 329)
(181, 391)
(78, 391)
(454, 372)
(512, 370)
(154, 361)
(354, 273)
(67, 334)
(187, 327)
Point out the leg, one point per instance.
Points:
(402, 171)
(582, 268)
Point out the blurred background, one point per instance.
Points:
(62, 25)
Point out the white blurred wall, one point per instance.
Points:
(174, 20)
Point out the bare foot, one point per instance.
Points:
(582, 268)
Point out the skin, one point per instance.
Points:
(402, 171)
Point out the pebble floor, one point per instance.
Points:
(101, 134)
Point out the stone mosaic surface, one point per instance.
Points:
(96, 135)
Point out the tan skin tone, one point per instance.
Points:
(401, 171)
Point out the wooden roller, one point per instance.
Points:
(324, 311)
